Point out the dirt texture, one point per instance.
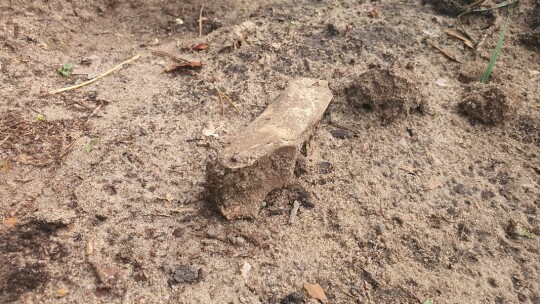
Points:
(102, 188)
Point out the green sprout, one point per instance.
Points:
(90, 145)
(495, 53)
(295, 23)
(65, 70)
(40, 117)
(523, 232)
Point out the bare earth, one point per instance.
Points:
(419, 183)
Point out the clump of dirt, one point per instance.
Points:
(392, 93)
(280, 200)
(486, 103)
(24, 251)
(470, 73)
(449, 7)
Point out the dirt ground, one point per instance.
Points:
(420, 185)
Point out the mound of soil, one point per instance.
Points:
(486, 103)
(392, 93)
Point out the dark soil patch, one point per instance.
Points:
(24, 250)
(35, 142)
(449, 7)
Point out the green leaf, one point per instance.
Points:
(295, 23)
(40, 117)
(523, 232)
(65, 70)
(428, 301)
(90, 145)
(495, 53)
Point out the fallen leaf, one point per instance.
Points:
(434, 183)
(276, 45)
(210, 130)
(315, 291)
(407, 168)
(6, 166)
(191, 65)
(442, 82)
(199, 47)
(374, 13)
(62, 292)
(10, 221)
(246, 268)
(458, 35)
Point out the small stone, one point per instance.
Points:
(340, 134)
(325, 167)
(202, 274)
(179, 232)
(185, 274)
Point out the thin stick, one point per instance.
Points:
(3, 141)
(163, 53)
(116, 68)
(228, 100)
(445, 53)
(94, 112)
(222, 104)
(200, 21)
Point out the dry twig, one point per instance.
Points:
(166, 54)
(116, 68)
(444, 52)
(223, 95)
(200, 21)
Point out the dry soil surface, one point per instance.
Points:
(419, 184)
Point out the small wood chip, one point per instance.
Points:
(315, 291)
(294, 211)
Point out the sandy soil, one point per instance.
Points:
(419, 183)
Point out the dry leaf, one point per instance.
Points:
(6, 167)
(459, 36)
(62, 292)
(246, 268)
(374, 13)
(184, 66)
(315, 291)
(434, 183)
(442, 82)
(10, 221)
(407, 168)
(199, 47)
(210, 130)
